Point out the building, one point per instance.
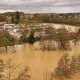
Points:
(8, 26)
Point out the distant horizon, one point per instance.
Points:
(40, 6)
(39, 12)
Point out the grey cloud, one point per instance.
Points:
(40, 5)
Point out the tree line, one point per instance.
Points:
(20, 17)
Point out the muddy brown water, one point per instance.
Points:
(40, 62)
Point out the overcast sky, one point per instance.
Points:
(40, 6)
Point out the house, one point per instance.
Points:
(13, 30)
(8, 26)
(11, 27)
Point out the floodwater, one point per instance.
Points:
(40, 63)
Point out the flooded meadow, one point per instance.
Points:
(40, 63)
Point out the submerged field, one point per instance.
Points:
(40, 63)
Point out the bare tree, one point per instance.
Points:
(63, 39)
(73, 66)
(2, 67)
(63, 70)
(11, 69)
(67, 67)
(77, 63)
(23, 75)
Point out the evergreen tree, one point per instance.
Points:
(17, 17)
(31, 38)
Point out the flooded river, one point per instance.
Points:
(40, 63)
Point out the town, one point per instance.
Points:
(16, 30)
